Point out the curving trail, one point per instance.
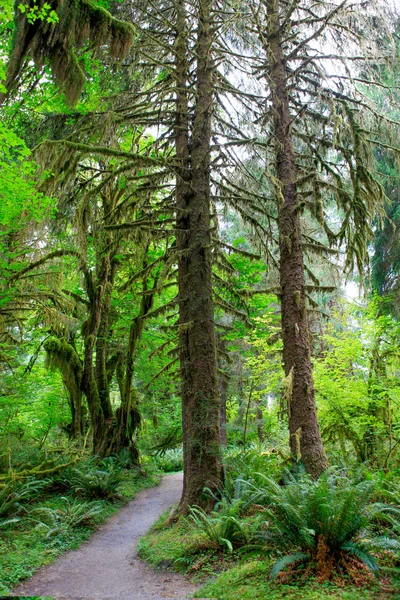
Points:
(107, 567)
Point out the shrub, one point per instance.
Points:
(247, 463)
(69, 516)
(91, 482)
(170, 461)
(222, 531)
(325, 521)
(15, 492)
(122, 460)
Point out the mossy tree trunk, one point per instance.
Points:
(223, 396)
(127, 416)
(102, 348)
(223, 386)
(95, 288)
(305, 438)
(63, 356)
(198, 359)
(260, 423)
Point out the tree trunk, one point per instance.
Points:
(102, 376)
(223, 395)
(198, 358)
(260, 423)
(305, 439)
(90, 328)
(223, 385)
(63, 356)
(127, 415)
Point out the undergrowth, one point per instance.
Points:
(275, 535)
(40, 520)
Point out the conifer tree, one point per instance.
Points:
(318, 124)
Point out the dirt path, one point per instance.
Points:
(107, 566)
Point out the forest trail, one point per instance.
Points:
(107, 567)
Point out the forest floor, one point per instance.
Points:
(107, 566)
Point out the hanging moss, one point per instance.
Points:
(61, 355)
(79, 22)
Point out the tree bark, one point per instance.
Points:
(198, 358)
(223, 396)
(89, 333)
(127, 415)
(102, 376)
(305, 439)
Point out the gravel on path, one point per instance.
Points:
(107, 567)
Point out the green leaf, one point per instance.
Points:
(287, 560)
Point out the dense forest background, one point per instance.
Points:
(200, 260)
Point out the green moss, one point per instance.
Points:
(52, 344)
(78, 22)
(176, 545)
(249, 580)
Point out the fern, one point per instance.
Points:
(92, 483)
(286, 561)
(14, 493)
(221, 530)
(359, 552)
(59, 521)
(326, 519)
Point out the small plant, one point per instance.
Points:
(247, 464)
(71, 515)
(222, 530)
(170, 461)
(93, 482)
(325, 522)
(14, 493)
(5, 522)
(122, 460)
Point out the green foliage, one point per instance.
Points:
(170, 461)
(32, 408)
(13, 494)
(76, 23)
(91, 482)
(249, 580)
(70, 515)
(326, 519)
(250, 465)
(357, 385)
(20, 202)
(221, 530)
(34, 12)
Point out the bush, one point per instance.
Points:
(221, 530)
(170, 461)
(247, 463)
(326, 521)
(13, 494)
(69, 516)
(91, 482)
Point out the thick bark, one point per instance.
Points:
(223, 396)
(77, 414)
(378, 403)
(102, 374)
(223, 385)
(110, 247)
(305, 439)
(89, 333)
(127, 415)
(63, 356)
(198, 359)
